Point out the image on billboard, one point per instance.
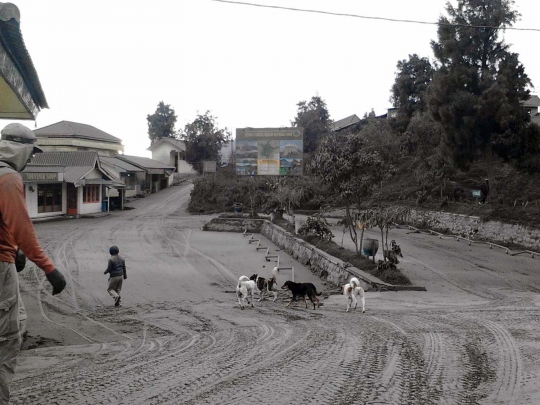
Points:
(246, 157)
(290, 160)
(269, 151)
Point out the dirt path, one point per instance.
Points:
(180, 337)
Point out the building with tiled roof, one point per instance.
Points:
(69, 136)
(21, 95)
(158, 175)
(132, 176)
(72, 183)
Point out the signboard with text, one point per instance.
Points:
(40, 177)
(269, 151)
(209, 166)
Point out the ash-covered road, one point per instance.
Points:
(180, 337)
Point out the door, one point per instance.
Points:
(71, 199)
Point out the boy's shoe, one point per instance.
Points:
(117, 301)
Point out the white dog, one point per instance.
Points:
(245, 288)
(351, 290)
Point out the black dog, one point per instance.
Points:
(302, 290)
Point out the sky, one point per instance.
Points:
(109, 63)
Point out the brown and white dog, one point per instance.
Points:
(302, 290)
(350, 291)
(266, 285)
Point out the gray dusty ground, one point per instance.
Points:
(180, 337)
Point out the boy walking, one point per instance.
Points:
(117, 273)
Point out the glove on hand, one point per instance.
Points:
(57, 281)
(125, 276)
(106, 271)
(20, 260)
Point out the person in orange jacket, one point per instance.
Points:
(17, 145)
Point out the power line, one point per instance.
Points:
(372, 18)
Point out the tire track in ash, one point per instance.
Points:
(275, 365)
(377, 376)
(165, 370)
(438, 345)
(98, 378)
(488, 367)
(225, 358)
(324, 355)
(234, 353)
(509, 369)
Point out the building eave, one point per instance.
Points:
(21, 95)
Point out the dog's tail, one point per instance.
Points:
(241, 280)
(275, 271)
(354, 282)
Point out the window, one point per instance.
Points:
(49, 198)
(91, 194)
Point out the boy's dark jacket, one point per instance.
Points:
(116, 266)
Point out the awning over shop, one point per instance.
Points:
(103, 182)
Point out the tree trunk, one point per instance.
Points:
(352, 226)
(382, 243)
(488, 155)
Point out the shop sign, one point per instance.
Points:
(38, 177)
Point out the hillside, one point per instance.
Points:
(517, 201)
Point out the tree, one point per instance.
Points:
(384, 218)
(351, 168)
(204, 140)
(413, 77)
(161, 123)
(314, 117)
(476, 92)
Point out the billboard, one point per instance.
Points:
(269, 151)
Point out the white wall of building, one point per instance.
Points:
(88, 208)
(165, 153)
(185, 168)
(32, 201)
(162, 153)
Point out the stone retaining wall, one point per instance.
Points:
(327, 267)
(323, 265)
(494, 231)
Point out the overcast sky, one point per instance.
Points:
(109, 63)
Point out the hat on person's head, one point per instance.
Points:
(113, 250)
(20, 134)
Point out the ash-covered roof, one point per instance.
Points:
(70, 129)
(144, 162)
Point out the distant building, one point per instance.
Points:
(21, 96)
(171, 152)
(68, 136)
(158, 175)
(132, 176)
(341, 124)
(532, 105)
